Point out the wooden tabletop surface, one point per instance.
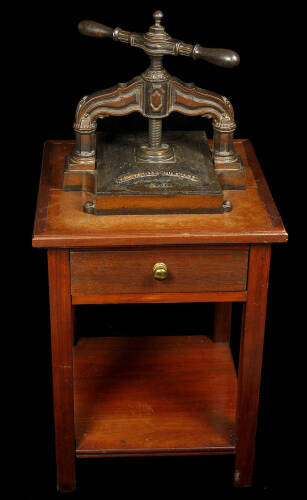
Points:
(61, 222)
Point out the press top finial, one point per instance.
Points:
(158, 15)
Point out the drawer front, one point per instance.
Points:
(120, 271)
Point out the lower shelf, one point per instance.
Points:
(154, 396)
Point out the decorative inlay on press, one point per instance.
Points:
(156, 93)
(123, 169)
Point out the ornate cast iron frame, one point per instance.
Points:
(155, 94)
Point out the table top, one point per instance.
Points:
(60, 220)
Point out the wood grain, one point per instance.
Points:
(253, 325)
(61, 222)
(222, 322)
(190, 269)
(159, 298)
(61, 322)
(154, 395)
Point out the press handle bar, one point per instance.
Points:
(220, 57)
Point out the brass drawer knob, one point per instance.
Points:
(160, 271)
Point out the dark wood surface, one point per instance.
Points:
(190, 269)
(156, 298)
(154, 395)
(208, 260)
(257, 87)
(61, 222)
(222, 321)
(61, 323)
(252, 335)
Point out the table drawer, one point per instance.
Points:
(120, 271)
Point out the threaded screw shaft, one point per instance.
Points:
(155, 132)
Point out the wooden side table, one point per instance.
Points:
(156, 395)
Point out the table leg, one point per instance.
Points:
(222, 322)
(253, 325)
(73, 319)
(61, 322)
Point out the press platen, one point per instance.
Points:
(155, 173)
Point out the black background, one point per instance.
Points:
(56, 68)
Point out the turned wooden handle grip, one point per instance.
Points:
(220, 57)
(96, 30)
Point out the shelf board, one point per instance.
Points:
(170, 395)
